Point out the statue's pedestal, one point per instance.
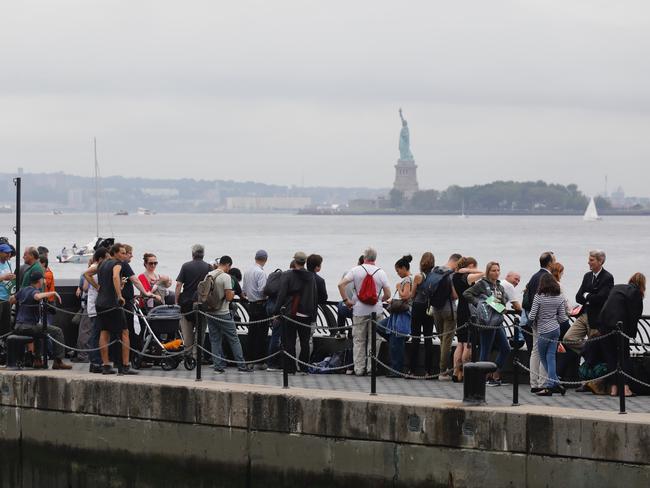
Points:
(406, 179)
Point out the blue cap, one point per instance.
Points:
(6, 248)
(261, 254)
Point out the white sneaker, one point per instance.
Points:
(444, 377)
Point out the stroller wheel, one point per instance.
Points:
(168, 364)
(189, 362)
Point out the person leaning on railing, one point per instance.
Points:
(625, 305)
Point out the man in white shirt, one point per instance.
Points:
(253, 288)
(362, 312)
(512, 296)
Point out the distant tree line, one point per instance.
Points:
(499, 196)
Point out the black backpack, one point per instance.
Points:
(272, 287)
(437, 286)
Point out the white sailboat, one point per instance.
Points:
(462, 210)
(74, 254)
(591, 214)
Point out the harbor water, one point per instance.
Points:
(514, 241)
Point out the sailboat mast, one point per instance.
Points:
(96, 189)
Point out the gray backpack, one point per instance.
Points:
(207, 292)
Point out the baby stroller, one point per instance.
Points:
(161, 338)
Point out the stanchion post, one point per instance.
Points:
(620, 380)
(475, 339)
(515, 366)
(285, 359)
(198, 340)
(44, 332)
(373, 353)
(17, 231)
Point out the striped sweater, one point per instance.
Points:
(548, 312)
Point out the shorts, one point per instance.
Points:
(111, 319)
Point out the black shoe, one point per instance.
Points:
(536, 390)
(559, 389)
(95, 368)
(545, 392)
(107, 369)
(126, 370)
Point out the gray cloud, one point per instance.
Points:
(274, 90)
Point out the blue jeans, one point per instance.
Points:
(547, 347)
(488, 337)
(396, 346)
(94, 356)
(218, 328)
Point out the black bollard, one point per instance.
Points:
(198, 341)
(474, 381)
(373, 354)
(619, 376)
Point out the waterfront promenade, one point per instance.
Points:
(122, 431)
(396, 387)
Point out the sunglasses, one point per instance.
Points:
(155, 263)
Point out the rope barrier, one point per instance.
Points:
(568, 383)
(252, 322)
(432, 336)
(636, 380)
(311, 365)
(405, 375)
(78, 349)
(573, 342)
(232, 361)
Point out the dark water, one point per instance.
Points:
(29, 465)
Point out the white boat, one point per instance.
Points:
(462, 211)
(57, 212)
(76, 255)
(145, 211)
(591, 214)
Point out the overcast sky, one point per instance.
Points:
(291, 90)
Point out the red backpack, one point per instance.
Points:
(368, 292)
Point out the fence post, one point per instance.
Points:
(17, 231)
(620, 380)
(198, 340)
(373, 354)
(44, 331)
(283, 340)
(515, 365)
(473, 331)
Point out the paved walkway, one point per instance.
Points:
(397, 386)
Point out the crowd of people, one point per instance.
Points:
(455, 299)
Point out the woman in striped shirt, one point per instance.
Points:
(548, 311)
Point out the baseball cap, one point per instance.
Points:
(300, 257)
(6, 248)
(261, 254)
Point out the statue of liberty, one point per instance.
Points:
(405, 153)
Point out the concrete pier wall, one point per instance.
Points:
(245, 435)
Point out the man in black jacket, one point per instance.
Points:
(546, 260)
(298, 301)
(593, 292)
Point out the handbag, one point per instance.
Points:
(398, 305)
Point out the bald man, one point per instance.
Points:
(509, 284)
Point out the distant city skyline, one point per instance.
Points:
(306, 92)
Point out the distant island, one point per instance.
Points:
(496, 198)
(63, 193)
